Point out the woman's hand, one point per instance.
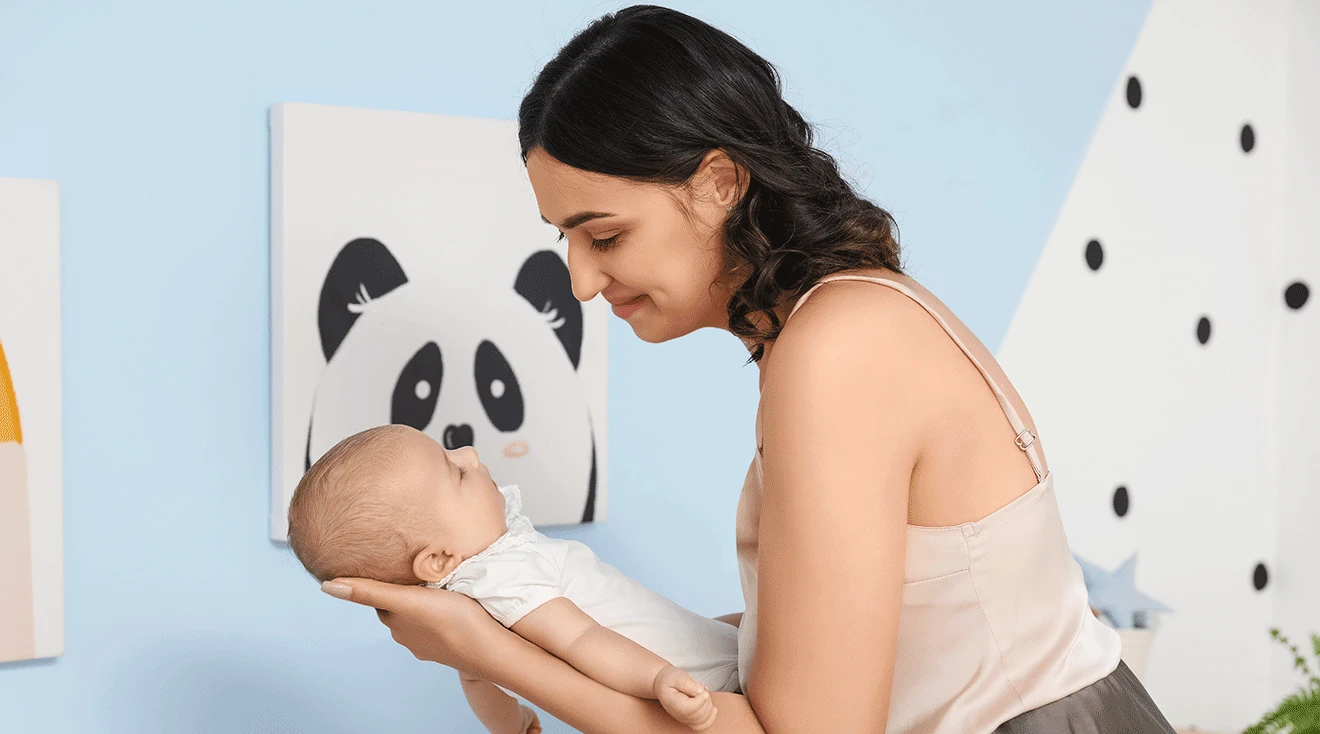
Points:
(434, 624)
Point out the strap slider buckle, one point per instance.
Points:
(1029, 439)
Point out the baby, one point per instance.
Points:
(390, 503)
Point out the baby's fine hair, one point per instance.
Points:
(342, 520)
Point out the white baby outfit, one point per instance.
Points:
(524, 569)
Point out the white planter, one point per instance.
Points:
(1136, 650)
(1136, 644)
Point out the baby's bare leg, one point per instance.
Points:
(497, 710)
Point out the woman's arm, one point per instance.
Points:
(842, 425)
(453, 630)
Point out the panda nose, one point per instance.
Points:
(456, 437)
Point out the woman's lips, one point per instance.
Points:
(628, 308)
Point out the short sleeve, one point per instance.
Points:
(510, 584)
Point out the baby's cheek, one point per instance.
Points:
(515, 449)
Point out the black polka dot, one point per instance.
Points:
(1296, 295)
(1121, 502)
(1260, 577)
(1095, 254)
(1134, 92)
(1203, 330)
(1247, 138)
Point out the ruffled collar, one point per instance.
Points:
(519, 532)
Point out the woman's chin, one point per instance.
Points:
(645, 328)
(658, 331)
(649, 336)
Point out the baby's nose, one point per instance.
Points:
(466, 455)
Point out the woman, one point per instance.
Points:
(901, 553)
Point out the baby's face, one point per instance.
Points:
(459, 502)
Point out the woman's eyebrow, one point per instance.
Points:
(577, 219)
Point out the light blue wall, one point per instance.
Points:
(967, 120)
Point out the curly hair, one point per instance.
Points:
(646, 92)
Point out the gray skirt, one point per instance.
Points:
(1115, 704)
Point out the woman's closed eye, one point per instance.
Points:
(600, 245)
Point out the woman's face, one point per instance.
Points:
(655, 252)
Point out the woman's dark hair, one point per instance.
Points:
(646, 92)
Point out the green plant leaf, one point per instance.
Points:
(1299, 713)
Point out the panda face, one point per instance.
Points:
(470, 363)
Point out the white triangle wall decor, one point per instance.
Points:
(1168, 354)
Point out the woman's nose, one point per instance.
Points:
(585, 273)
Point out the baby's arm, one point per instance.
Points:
(497, 710)
(565, 631)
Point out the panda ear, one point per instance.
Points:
(364, 269)
(543, 281)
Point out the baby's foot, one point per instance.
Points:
(530, 723)
(685, 699)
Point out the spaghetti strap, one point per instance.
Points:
(1025, 439)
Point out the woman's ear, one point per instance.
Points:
(433, 563)
(725, 179)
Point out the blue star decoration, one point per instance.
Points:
(1114, 594)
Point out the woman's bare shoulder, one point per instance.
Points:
(872, 342)
(849, 321)
(867, 345)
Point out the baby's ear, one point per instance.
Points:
(433, 563)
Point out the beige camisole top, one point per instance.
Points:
(995, 619)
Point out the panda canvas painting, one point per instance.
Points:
(31, 448)
(414, 282)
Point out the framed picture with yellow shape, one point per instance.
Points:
(31, 453)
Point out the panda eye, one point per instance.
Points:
(417, 389)
(498, 389)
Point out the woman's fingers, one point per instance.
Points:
(437, 625)
(442, 626)
(370, 593)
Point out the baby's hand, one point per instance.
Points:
(685, 699)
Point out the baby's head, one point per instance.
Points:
(390, 503)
